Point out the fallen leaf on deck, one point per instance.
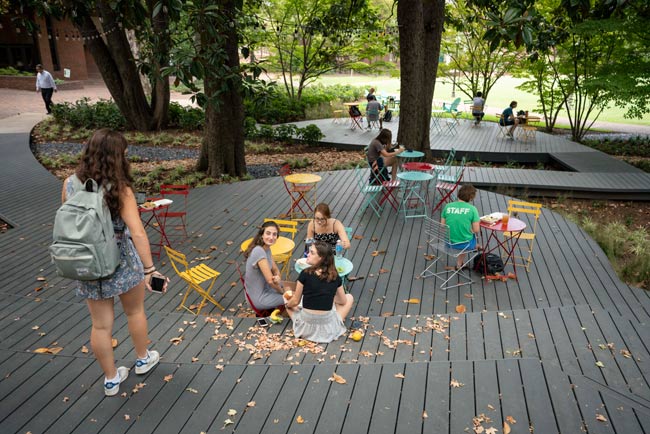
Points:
(491, 430)
(233, 284)
(353, 278)
(276, 420)
(84, 349)
(424, 415)
(232, 412)
(229, 243)
(114, 342)
(357, 237)
(378, 252)
(337, 378)
(429, 257)
(251, 404)
(55, 350)
(127, 417)
(530, 335)
(399, 375)
(601, 418)
(455, 383)
(177, 340)
(195, 359)
(506, 428)
(227, 422)
(468, 295)
(41, 279)
(383, 270)
(626, 354)
(300, 419)
(461, 308)
(412, 301)
(511, 420)
(35, 328)
(41, 350)
(189, 389)
(387, 314)
(600, 364)
(490, 407)
(216, 228)
(168, 377)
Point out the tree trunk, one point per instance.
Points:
(160, 58)
(222, 151)
(420, 23)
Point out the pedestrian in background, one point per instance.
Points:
(46, 85)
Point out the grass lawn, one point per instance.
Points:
(500, 96)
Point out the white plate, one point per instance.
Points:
(161, 202)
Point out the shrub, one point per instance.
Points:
(285, 133)
(83, 114)
(311, 134)
(13, 71)
(638, 146)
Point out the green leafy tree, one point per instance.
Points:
(104, 26)
(309, 38)
(474, 64)
(208, 51)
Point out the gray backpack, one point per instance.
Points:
(84, 246)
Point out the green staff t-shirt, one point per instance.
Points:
(459, 216)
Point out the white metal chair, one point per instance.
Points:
(438, 239)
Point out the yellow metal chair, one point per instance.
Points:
(286, 227)
(194, 277)
(534, 210)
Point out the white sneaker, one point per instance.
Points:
(142, 366)
(112, 388)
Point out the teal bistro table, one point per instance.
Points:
(416, 187)
(343, 266)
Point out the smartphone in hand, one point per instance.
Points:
(157, 283)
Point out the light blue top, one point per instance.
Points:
(411, 154)
(415, 176)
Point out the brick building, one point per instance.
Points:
(57, 46)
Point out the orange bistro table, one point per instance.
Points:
(303, 195)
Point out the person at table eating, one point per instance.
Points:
(379, 156)
(325, 305)
(508, 118)
(263, 282)
(463, 221)
(327, 229)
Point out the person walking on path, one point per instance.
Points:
(46, 85)
(104, 160)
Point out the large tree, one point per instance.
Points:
(103, 26)
(309, 38)
(210, 52)
(420, 31)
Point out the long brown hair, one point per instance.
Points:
(385, 136)
(326, 270)
(258, 240)
(103, 159)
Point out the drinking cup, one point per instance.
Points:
(504, 219)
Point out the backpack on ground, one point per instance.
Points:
(84, 246)
(388, 116)
(492, 262)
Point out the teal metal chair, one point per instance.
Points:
(370, 193)
(452, 109)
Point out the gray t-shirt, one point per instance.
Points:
(261, 293)
(374, 150)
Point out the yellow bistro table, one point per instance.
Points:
(282, 246)
(303, 195)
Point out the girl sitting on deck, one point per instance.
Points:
(325, 228)
(263, 282)
(324, 302)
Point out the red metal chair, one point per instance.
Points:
(448, 183)
(259, 313)
(178, 209)
(297, 193)
(389, 188)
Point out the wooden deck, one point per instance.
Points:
(590, 173)
(566, 343)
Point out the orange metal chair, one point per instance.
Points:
(297, 192)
